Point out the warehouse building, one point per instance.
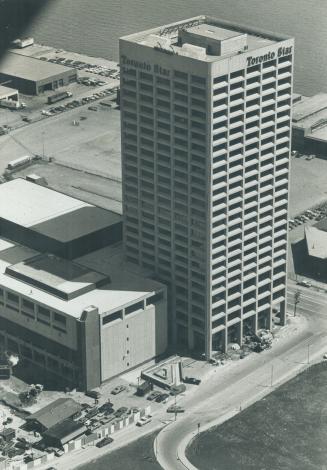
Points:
(78, 324)
(52, 222)
(310, 125)
(32, 76)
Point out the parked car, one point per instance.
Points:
(93, 394)
(192, 380)
(177, 389)
(59, 452)
(105, 441)
(118, 389)
(175, 409)
(304, 283)
(325, 356)
(162, 398)
(144, 420)
(153, 395)
(106, 407)
(92, 412)
(121, 411)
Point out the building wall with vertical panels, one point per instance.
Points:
(251, 144)
(165, 141)
(205, 184)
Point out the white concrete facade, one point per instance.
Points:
(205, 148)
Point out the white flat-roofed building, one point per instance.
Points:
(7, 93)
(32, 76)
(80, 323)
(49, 221)
(206, 125)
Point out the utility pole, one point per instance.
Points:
(175, 409)
(297, 298)
(309, 353)
(43, 144)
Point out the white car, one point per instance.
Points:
(325, 356)
(304, 283)
(144, 420)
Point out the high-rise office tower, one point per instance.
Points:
(206, 123)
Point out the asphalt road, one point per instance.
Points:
(246, 381)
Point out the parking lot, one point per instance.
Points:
(89, 140)
(97, 79)
(307, 184)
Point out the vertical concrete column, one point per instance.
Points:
(282, 314)
(89, 341)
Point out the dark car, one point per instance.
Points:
(177, 389)
(175, 409)
(22, 445)
(91, 413)
(106, 407)
(153, 395)
(93, 394)
(162, 397)
(192, 380)
(105, 441)
(121, 411)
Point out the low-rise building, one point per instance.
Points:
(316, 243)
(52, 222)
(7, 93)
(32, 76)
(78, 323)
(63, 432)
(53, 414)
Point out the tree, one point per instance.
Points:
(297, 298)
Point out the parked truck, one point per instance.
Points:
(19, 162)
(143, 389)
(59, 96)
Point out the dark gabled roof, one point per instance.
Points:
(55, 412)
(65, 430)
